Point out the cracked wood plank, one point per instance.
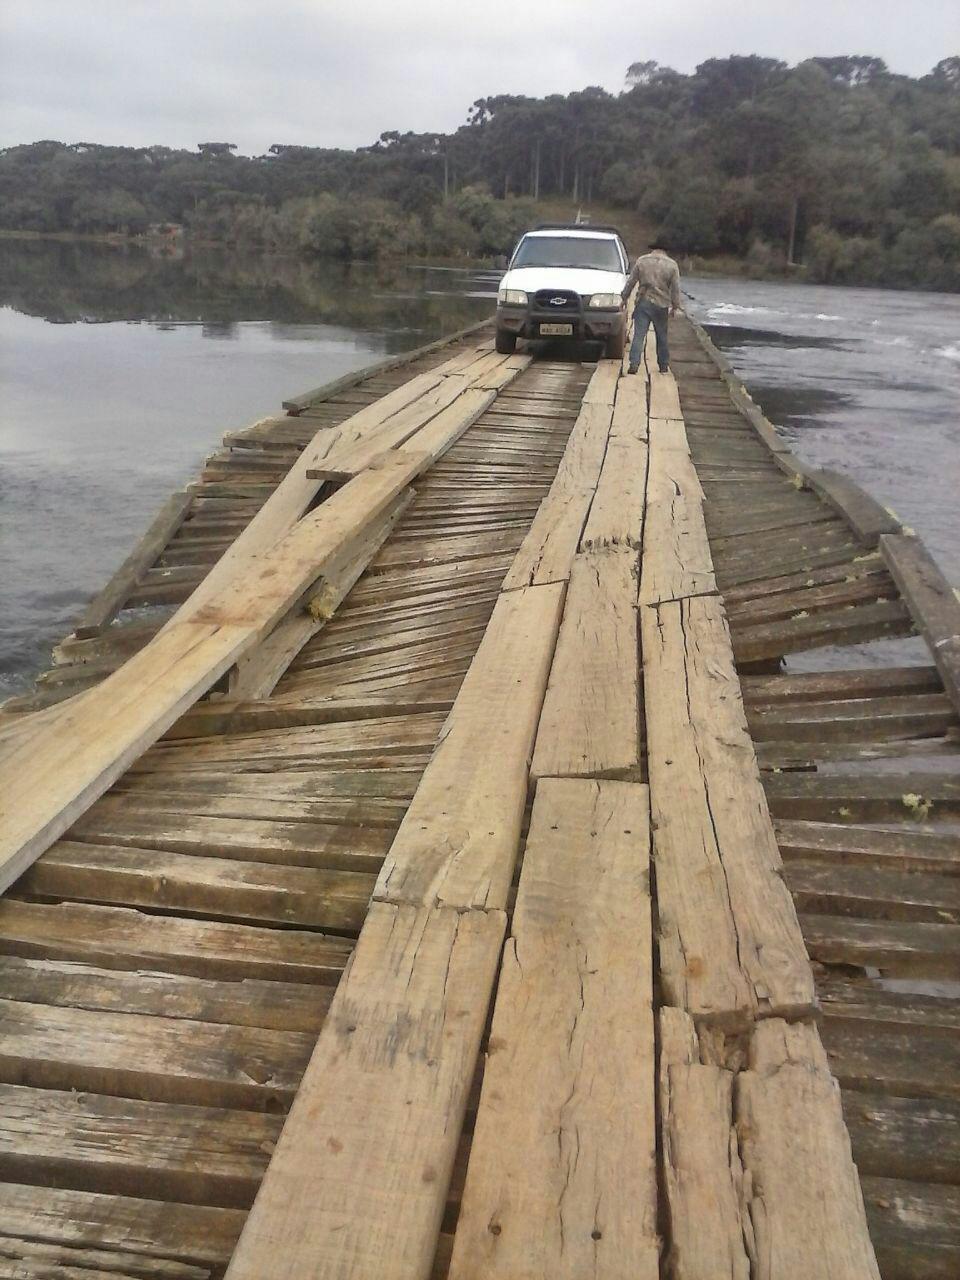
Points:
(562, 1174)
(804, 1186)
(547, 552)
(730, 944)
(458, 843)
(616, 513)
(677, 561)
(590, 724)
(359, 1179)
(702, 1173)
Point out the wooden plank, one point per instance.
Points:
(562, 1176)
(867, 517)
(617, 511)
(258, 671)
(873, 892)
(308, 399)
(838, 844)
(896, 947)
(664, 397)
(359, 1179)
(910, 1060)
(77, 758)
(166, 1151)
(590, 723)
(702, 1173)
(933, 603)
(202, 886)
(282, 1006)
(548, 549)
(153, 1058)
(459, 404)
(39, 1260)
(191, 1233)
(730, 945)
(107, 601)
(116, 938)
(913, 1138)
(676, 552)
(900, 797)
(915, 1228)
(458, 843)
(794, 1145)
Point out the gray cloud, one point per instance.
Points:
(325, 73)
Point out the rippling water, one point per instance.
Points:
(865, 381)
(119, 372)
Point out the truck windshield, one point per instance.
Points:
(568, 251)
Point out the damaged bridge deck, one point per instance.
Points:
(420, 862)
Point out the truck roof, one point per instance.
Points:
(587, 233)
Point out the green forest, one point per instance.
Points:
(837, 170)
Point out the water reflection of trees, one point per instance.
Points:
(71, 282)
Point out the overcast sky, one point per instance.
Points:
(336, 73)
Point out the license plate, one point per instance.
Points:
(556, 330)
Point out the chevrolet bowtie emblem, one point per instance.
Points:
(557, 302)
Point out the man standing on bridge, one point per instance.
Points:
(658, 277)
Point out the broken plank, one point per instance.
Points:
(933, 603)
(118, 938)
(794, 1145)
(105, 604)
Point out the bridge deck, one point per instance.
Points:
(575, 935)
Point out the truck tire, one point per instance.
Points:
(613, 348)
(506, 342)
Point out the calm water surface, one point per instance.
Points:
(119, 372)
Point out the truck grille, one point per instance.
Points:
(560, 301)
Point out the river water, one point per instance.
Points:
(120, 371)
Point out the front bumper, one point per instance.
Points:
(586, 325)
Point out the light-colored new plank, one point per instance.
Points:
(258, 671)
(590, 725)
(806, 1207)
(359, 1179)
(63, 769)
(562, 1174)
(730, 944)
(458, 842)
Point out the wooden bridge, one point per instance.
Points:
(419, 864)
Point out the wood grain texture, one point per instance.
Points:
(590, 724)
(730, 944)
(459, 840)
(703, 1175)
(359, 1179)
(677, 560)
(562, 1174)
(805, 1187)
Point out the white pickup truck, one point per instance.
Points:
(565, 282)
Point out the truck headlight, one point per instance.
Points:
(512, 297)
(606, 300)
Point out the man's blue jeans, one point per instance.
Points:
(644, 315)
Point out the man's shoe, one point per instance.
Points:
(664, 368)
(633, 368)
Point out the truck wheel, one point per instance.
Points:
(506, 342)
(613, 349)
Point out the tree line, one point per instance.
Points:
(837, 165)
